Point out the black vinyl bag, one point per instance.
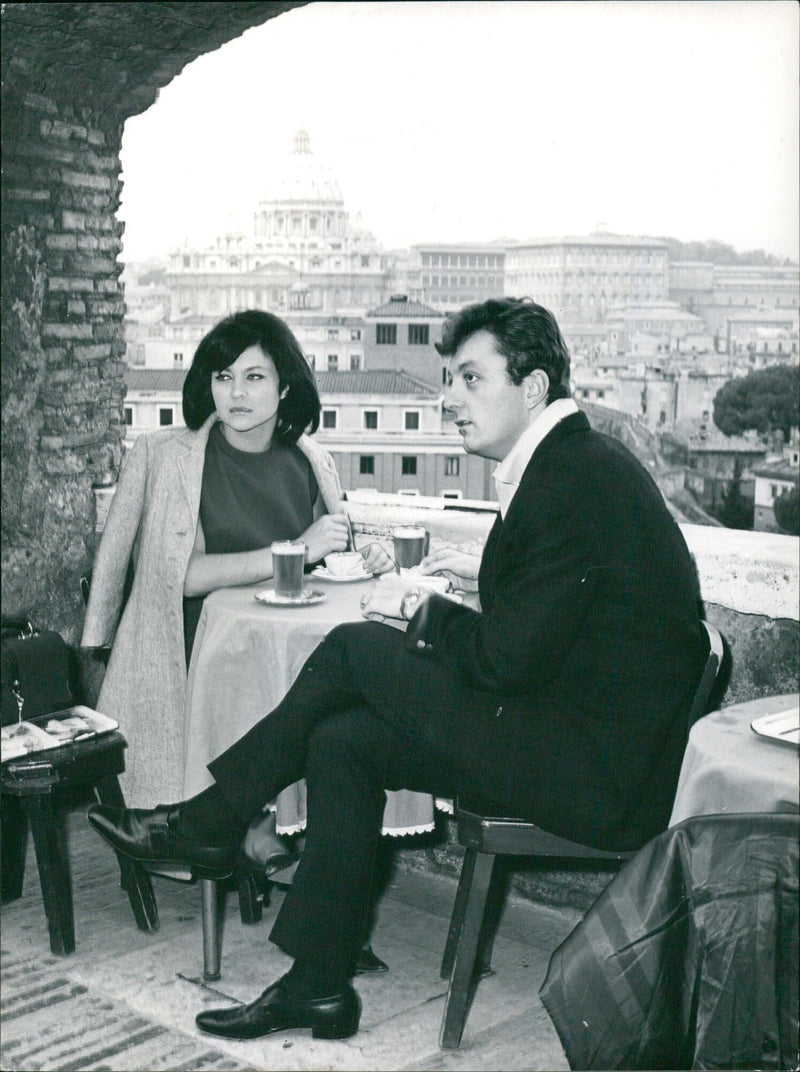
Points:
(38, 673)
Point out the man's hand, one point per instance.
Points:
(459, 567)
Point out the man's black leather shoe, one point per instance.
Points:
(148, 836)
(334, 1017)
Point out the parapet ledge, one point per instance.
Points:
(748, 572)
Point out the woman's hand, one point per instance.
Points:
(328, 533)
(376, 560)
(460, 568)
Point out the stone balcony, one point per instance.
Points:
(749, 583)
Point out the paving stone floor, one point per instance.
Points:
(127, 1001)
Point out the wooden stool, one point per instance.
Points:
(27, 797)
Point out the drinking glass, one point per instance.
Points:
(410, 546)
(288, 561)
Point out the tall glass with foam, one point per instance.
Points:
(288, 561)
(410, 545)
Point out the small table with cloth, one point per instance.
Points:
(688, 959)
(246, 656)
(728, 768)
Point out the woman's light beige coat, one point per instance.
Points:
(153, 516)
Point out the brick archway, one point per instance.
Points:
(72, 74)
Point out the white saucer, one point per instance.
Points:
(783, 726)
(309, 597)
(348, 578)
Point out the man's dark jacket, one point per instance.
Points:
(589, 637)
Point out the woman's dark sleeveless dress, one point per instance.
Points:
(247, 501)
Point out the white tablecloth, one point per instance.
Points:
(729, 768)
(245, 657)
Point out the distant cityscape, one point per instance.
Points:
(655, 328)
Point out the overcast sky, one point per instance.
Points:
(473, 121)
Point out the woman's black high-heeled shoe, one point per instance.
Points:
(368, 963)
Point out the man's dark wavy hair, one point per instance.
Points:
(525, 334)
(298, 412)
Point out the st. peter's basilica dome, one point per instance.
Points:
(302, 177)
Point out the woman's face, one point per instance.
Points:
(246, 396)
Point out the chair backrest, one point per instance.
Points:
(710, 675)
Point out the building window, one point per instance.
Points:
(128, 410)
(418, 334)
(333, 362)
(355, 362)
(166, 415)
(452, 466)
(312, 360)
(371, 420)
(355, 334)
(177, 359)
(329, 417)
(333, 333)
(366, 464)
(386, 334)
(411, 420)
(409, 465)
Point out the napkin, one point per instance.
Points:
(397, 596)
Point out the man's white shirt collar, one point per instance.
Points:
(509, 472)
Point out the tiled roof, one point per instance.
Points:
(154, 379)
(405, 310)
(373, 382)
(718, 444)
(588, 240)
(780, 470)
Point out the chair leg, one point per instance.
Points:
(467, 943)
(494, 906)
(212, 940)
(133, 878)
(51, 859)
(13, 841)
(457, 916)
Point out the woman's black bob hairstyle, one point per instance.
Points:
(298, 411)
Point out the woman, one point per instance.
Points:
(197, 510)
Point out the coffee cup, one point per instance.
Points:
(288, 562)
(344, 563)
(410, 546)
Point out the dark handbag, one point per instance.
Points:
(38, 673)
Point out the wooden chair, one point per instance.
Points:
(211, 890)
(468, 950)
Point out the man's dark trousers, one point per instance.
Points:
(364, 715)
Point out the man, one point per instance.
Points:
(563, 700)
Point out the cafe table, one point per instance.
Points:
(246, 655)
(728, 767)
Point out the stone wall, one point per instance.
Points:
(63, 349)
(72, 74)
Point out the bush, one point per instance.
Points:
(764, 401)
(787, 512)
